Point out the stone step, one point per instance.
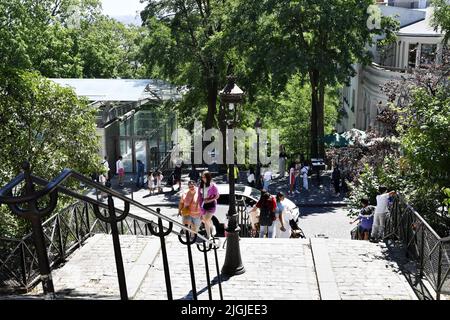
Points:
(285, 269)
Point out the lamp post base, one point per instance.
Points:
(233, 262)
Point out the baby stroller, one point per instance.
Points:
(296, 231)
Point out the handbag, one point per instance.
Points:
(209, 205)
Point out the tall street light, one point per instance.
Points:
(258, 126)
(232, 97)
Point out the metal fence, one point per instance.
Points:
(422, 243)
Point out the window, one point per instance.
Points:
(428, 55)
(412, 55)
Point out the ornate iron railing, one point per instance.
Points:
(25, 262)
(422, 243)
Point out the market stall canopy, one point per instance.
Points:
(355, 135)
(335, 140)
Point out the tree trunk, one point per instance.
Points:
(321, 119)
(212, 87)
(314, 80)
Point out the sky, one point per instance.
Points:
(121, 7)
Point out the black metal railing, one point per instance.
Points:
(25, 262)
(422, 244)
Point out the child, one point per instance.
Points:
(158, 180)
(150, 182)
(365, 218)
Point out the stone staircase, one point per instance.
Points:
(284, 269)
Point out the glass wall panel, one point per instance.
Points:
(140, 147)
(127, 153)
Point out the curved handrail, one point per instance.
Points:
(55, 184)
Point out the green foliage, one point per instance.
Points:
(46, 125)
(425, 131)
(365, 186)
(67, 39)
(441, 17)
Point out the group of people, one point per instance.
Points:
(297, 173)
(272, 215)
(198, 204)
(372, 218)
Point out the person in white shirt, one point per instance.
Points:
(120, 170)
(251, 178)
(106, 166)
(380, 213)
(304, 173)
(267, 178)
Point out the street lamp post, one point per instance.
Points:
(258, 126)
(232, 96)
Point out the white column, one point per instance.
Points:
(418, 54)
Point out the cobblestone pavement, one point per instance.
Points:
(365, 271)
(90, 272)
(277, 269)
(331, 222)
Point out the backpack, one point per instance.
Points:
(266, 216)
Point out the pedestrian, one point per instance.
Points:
(266, 205)
(251, 178)
(380, 213)
(150, 183)
(194, 175)
(292, 179)
(208, 194)
(236, 173)
(365, 218)
(120, 170)
(189, 207)
(336, 179)
(279, 225)
(304, 173)
(282, 161)
(285, 218)
(102, 180)
(267, 178)
(177, 175)
(158, 177)
(140, 174)
(105, 164)
(297, 173)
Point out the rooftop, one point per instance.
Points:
(124, 90)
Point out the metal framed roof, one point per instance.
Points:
(123, 90)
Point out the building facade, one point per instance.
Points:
(131, 121)
(418, 45)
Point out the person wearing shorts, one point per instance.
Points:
(365, 219)
(189, 207)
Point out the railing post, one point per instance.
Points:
(117, 250)
(439, 275)
(23, 265)
(60, 238)
(219, 278)
(41, 251)
(86, 207)
(205, 254)
(422, 249)
(162, 234)
(188, 243)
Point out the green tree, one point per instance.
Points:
(185, 45)
(441, 17)
(321, 40)
(45, 124)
